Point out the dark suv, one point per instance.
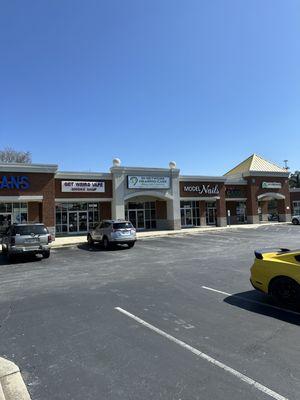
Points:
(26, 239)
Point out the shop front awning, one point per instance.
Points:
(24, 199)
(270, 196)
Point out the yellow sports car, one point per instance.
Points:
(277, 272)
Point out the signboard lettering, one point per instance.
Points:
(202, 189)
(83, 186)
(271, 185)
(14, 182)
(148, 182)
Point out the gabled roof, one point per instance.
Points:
(255, 163)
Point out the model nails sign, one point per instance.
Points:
(148, 182)
(201, 189)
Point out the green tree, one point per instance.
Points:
(295, 179)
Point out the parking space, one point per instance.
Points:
(172, 318)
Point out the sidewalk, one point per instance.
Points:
(75, 240)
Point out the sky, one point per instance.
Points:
(205, 83)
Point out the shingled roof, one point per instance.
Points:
(255, 163)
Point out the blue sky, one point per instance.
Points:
(204, 83)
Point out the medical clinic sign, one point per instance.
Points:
(83, 186)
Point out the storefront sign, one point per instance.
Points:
(271, 185)
(235, 193)
(148, 182)
(202, 189)
(14, 182)
(83, 186)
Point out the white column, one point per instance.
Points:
(118, 206)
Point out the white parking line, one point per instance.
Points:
(251, 300)
(205, 357)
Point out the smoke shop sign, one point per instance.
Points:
(83, 186)
(202, 189)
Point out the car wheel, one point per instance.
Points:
(105, 243)
(285, 291)
(90, 240)
(130, 245)
(46, 254)
(295, 221)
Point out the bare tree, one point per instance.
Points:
(9, 155)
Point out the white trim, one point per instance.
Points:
(236, 182)
(200, 198)
(267, 173)
(294, 190)
(81, 199)
(236, 199)
(82, 175)
(199, 178)
(33, 168)
(7, 199)
(273, 195)
(144, 171)
(150, 193)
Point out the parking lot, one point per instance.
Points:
(172, 318)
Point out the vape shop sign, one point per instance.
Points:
(83, 186)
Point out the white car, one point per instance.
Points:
(296, 219)
(110, 232)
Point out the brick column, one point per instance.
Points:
(34, 212)
(252, 203)
(202, 212)
(221, 208)
(264, 210)
(48, 205)
(284, 212)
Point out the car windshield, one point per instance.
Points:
(29, 229)
(122, 225)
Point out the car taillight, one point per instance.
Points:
(49, 238)
(12, 241)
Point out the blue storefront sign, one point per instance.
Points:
(14, 182)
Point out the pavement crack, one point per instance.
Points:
(6, 317)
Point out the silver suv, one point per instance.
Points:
(110, 232)
(296, 219)
(26, 239)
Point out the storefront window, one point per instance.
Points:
(76, 217)
(13, 213)
(296, 207)
(241, 212)
(141, 215)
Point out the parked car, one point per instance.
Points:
(296, 219)
(26, 239)
(110, 232)
(277, 272)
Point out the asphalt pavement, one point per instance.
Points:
(172, 318)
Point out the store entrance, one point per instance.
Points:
(211, 214)
(186, 216)
(137, 218)
(5, 221)
(78, 221)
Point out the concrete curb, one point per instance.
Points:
(188, 231)
(12, 386)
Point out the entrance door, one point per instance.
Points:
(73, 222)
(82, 221)
(211, 216)
(137, 218)
(5, 221)
(186, 216)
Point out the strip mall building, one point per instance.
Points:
(151, 198)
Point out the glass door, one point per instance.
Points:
(73, 222)
(137, 218)
(211, 215)
(187, 216)
(140, 219)
(82, 221)
(5, 221)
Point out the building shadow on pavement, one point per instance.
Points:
(98, 247)
(259, 303)
(26, 258)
